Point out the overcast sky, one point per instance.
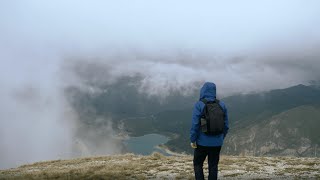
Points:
(249, 39)
(243, 46)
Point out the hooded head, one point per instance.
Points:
(208, 91)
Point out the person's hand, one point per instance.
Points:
(193, 145)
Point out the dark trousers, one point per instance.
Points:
(200, 154)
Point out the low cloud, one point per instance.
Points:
(184, 72)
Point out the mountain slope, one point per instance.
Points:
(248, 117)
(243, 109)
(293, 132)
(138, 114)
(157, 166)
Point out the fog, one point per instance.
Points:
(243, 47)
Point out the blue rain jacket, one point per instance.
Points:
(208, 91)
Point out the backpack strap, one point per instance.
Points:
(205, 106)
(204, 100)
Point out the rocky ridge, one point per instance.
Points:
(158, 166)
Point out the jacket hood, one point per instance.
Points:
(208, 91)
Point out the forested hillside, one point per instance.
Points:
(278, 122)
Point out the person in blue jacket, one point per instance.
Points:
(206, 145)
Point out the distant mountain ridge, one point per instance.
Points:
(249, 115)
(294, 132)
(292, 116)
(243, 107)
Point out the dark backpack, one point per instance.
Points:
(212, 119)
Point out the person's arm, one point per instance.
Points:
(195, 126)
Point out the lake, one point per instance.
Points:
(146, 144)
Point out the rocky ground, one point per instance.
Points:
(157, 166)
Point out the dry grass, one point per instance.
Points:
(158, 166)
